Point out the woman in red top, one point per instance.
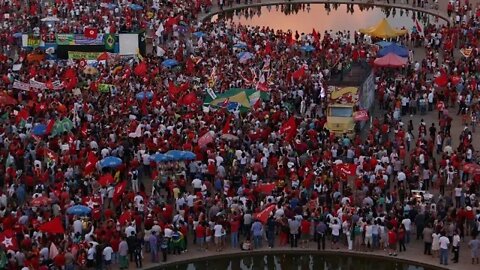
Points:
(392, 242)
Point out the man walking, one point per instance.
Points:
(444, 242)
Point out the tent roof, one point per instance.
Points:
(394, 48)
(390, 60)
(383, 30)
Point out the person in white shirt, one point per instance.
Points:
(218, 233)
(197, 185)
(335, 233)
(107, 256)
(407, 223)
(444, 242)
(91, 255)
(77, 226)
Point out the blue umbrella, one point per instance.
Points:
(142, 95)
(187, 155)
(39, 130)
(79, 210)
(395, 49)
(136, 7)
(199, 34)
(308, 48)
(159, 158)
(241, 45)
(174, 155)
(169, 63)
(383, 43)
(110, 162)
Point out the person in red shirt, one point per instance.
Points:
(392, 242)
(200, 235)
(234, 227)
(305, 230)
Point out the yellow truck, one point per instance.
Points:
(342, 106)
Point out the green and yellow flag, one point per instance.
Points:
(109, 41)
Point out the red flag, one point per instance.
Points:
(70, 79)
(91, 201)
(189, 99)
(226, 128)
(344, 170)
(53, 226)
(299, 73)
(8, 240)
(91, 32)
(40, 107)
(141, 69)
(50, 125)
(105, 180)
(91, 163)
(173, 90)
(119, 190)
(288, 126)
(442, 80)
(22, 115)
(418, 26)
(265, 213)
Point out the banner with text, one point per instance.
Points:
(83, 55)
(57, 85)
(77, 39)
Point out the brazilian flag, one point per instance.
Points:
(109, 41)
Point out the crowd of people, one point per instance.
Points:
(276, 177)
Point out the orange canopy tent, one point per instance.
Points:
(383, 30)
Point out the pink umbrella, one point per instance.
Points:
(361, 115)
(206, 139)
